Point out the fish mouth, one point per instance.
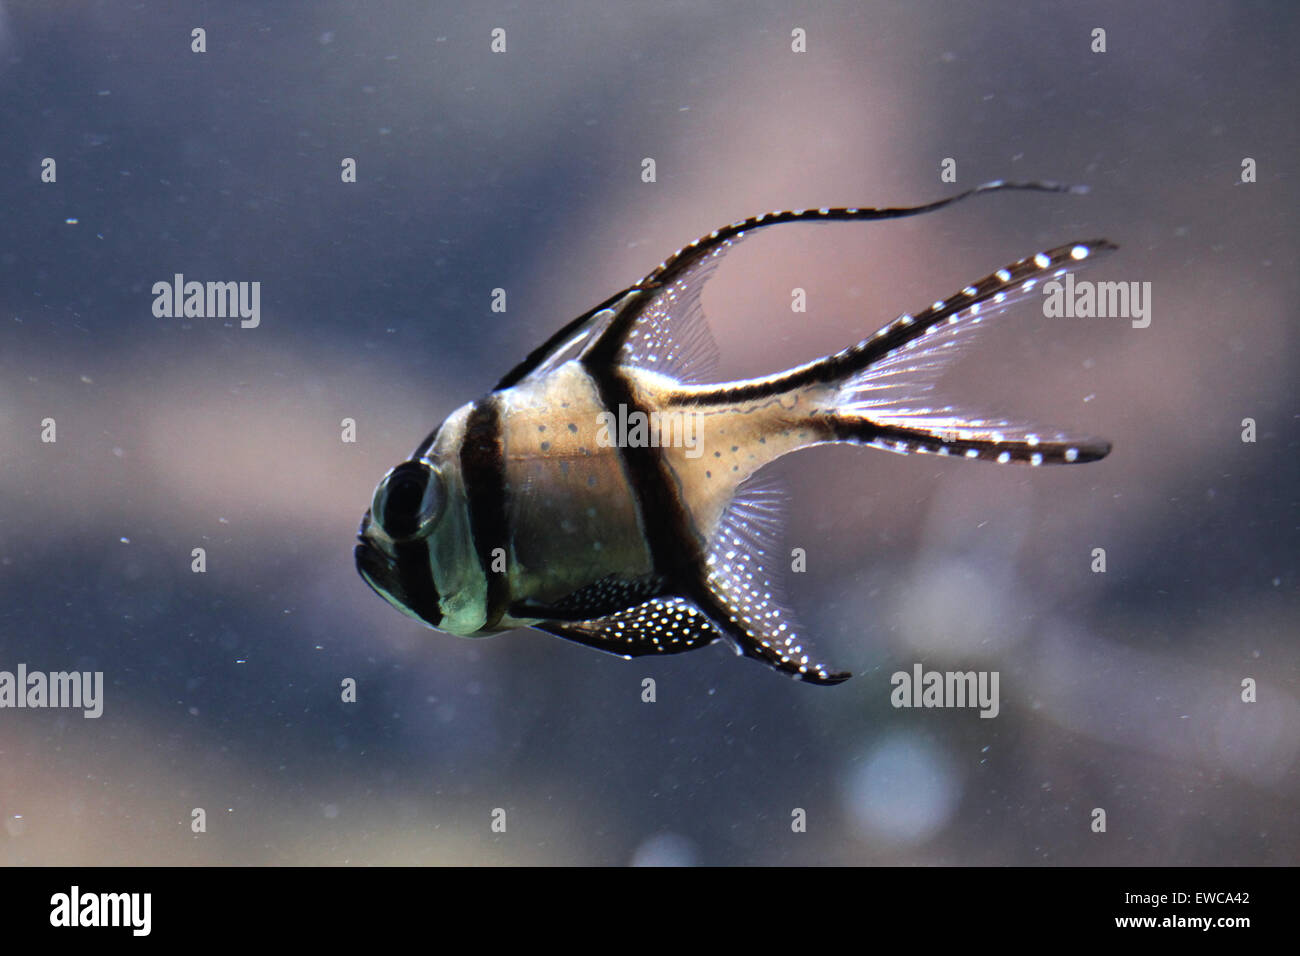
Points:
(373, 565)
(368, 561)
(411, 591)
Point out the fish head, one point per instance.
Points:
(415, 548)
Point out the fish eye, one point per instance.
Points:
(409, 500)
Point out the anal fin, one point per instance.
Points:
(742, 597)
(736, 599)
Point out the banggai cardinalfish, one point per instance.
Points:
(600, 492)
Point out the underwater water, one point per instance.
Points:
(1161, 690)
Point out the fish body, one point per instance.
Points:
(607, 493)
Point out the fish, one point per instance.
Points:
(550, 503)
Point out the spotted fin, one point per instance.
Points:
(888, 403)
(744, 590)
(662, 625)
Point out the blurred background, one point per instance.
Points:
(522, 170)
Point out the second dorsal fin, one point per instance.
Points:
(657, 324)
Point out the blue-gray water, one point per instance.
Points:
(522, 170)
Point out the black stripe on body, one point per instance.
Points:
(416, 578)
(676, 551)
(408, 579)
(482, 463)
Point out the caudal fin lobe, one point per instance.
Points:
(879, 392)
(883, 398)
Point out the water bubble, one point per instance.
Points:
(903, 791)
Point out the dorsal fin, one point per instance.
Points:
(657, 323)
(568, 339)
(685, 257)
(689, 267)
(671, 335)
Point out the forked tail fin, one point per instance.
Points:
(878, 392)
(882, 400)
